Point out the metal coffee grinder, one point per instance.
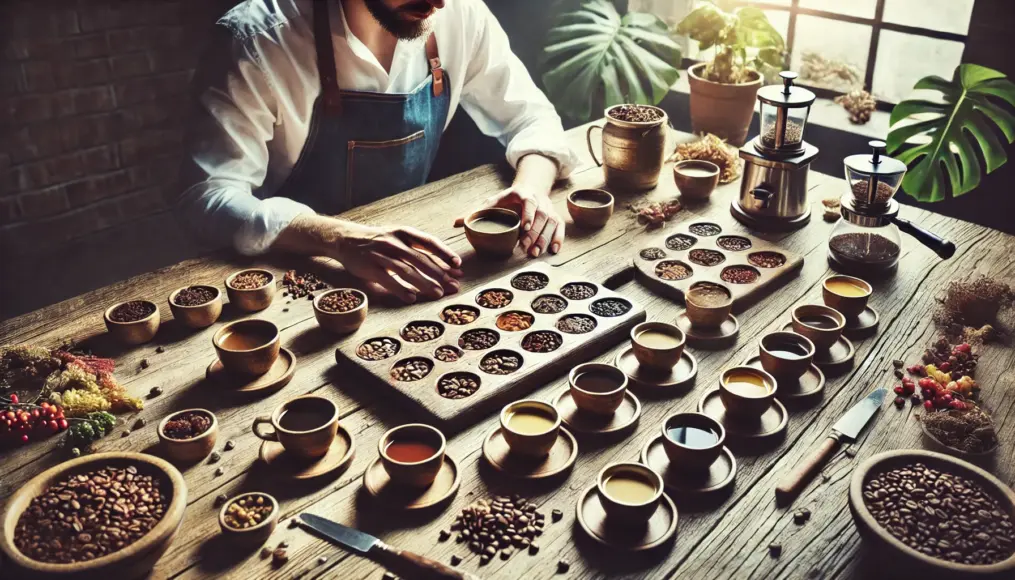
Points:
(773, 193)
(866, 240)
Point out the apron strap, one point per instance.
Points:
(434, 59)
(330, 91)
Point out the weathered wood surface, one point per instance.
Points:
(726, 536)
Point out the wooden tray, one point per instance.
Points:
(495, 390)
(743, 294)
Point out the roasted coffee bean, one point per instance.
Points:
(459, 315)
(733, 243)
(563, 566)
(250, 280)
(195, 296)
(576, 324)
(443, 536)
(457, 385)
(530, 281)
(542, 341)
(248, 511)
(578, 290)
(478, 339)
(652, 254)
(557, 515)
(636, 113)
(447, 353)
(340, 301)
(411, 369)
(300, 285)
(456, 560)
(704, 229)
(132, 311)
(378, 349)
(498, 525)
(775, 549)
(680, 242)
(495, 298)
(610, 307)
(422, 331)
(549, 304)
(515, 321)
(766, 259)
(500, 362)
(739, 274)
(673, 270)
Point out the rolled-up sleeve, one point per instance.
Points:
(505, 103)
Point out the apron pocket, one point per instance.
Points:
(378, 169)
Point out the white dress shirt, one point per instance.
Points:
(256, 96)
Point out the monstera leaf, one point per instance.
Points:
(595, 58)
(949, 160)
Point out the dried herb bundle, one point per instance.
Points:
(714, 149)
(970, 430)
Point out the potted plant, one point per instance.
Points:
(723, 91)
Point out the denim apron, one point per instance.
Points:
(364, 146)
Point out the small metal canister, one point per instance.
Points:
(633, 152)
(773, 193)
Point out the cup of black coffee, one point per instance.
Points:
(786, 355)
(693, 440)
(305, 426)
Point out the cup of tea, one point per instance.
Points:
(247, 346)
(820, 324)
(493, 231)
(629, 492)
(597, 388)
(746, 391)
(693, 440)
(590, 208)
(530, 427)
(657, 345)
(412, 454)
(695, 178)
(846, 294)
(305, 426)
(786, 354)
(708, 304)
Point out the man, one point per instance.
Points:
(323, 105)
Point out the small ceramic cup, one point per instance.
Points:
(255, 358)
(307, 441)
(341, 322)
(495, 244)
(590, 208)
(695, 178)
(251, 299)
(199, 316)
(748, 404)
(644, 486)
(527, 441)
(193, 449)
(786, 355)
(418, 473)
(137, 331)
(604, 395)
(687, 444)
(653, 355)
(852, 305)
(705, 307)
(805, 319)
(255, 534)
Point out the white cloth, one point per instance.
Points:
(254, 107)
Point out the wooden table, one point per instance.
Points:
(723, 537)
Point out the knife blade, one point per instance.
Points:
(413, 565)
(847, 427)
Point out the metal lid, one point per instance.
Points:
(867, 216)
(788, 95)
(754, 152)
(875, 163)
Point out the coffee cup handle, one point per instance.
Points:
(588, 139)
(269, 436)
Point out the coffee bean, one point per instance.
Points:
(478, 339)
(500, 362)
(557, 515)
(496, 298)
(530, 281)
(459, 315)
(422, 331)
(497, 525)
(340, 301)
(578, 290)
(456, 560)
(610, 307)
(412, 369)
(378, 349)
(563, 566)
(549, 304)
(576, 324)
(652, 254)
(775, 549)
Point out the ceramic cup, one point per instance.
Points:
(746, 404)
(710, 312)
(251, 299)
(199, 316)
(137, 331)
(341, 322)
(605, 396)
(850, 306)
(695, 178)
(685, 447)
(307, 441)
(422, 471)
(193, 449)
(528, 443)
(823, 338)
(256, 360)
(654, 356)
(590, 208)
(256, 534)
(498, 244)
(630, 512)
(781, 363)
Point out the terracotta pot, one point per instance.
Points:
(633, 152)
(723, 110)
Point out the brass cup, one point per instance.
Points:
(655, 358)
(823, 338)
(136, 332)
(694, 458)
(310, 444)
(704, 315)
(493, 244)
(850, 306)
(199, 316)
(696, 178)
(253, 299)
(193, 449)
(598, 402)
(530, 444)
(782, 367)
(623, 512)
(745, 406)
(255, 361)
(341, 322)
(418, 473)
(590, 216)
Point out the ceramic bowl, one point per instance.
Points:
(341, 322)
(193, 449)
(136, 332)
(936, 444)
(784, 367)
(530, 444)
(696, 178)
(849, 306)
(255, 361)
(632, 513)
(590, 208)
(893, 551)
(742, 405)
(200, 316)
(256, 534)
(704, 315)
(253, 299)
(690, 456)
(500, 244)
(418, 473)
(655, 357)
(823, 338)
(133, 561)
(598, 402)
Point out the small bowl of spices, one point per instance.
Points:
(196, 306)
(133, 322)
(967, 433)
(341, 310)
(251, 290)
(249, 518)
(189, 436)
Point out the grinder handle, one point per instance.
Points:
(939, 245)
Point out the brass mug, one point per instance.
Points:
(633, 152)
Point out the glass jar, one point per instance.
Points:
(862, 245)
(784, 113)
(874, 178)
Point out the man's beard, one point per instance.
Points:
(393, 21)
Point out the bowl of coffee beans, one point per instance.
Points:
(251, 290)
(249, 518)
(133, 322)
(109, 515)
(188, 436)
(196, 306)
(341, 310)
(934, 514)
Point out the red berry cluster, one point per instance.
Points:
(23, 422)
(937, 397)
(906, 389)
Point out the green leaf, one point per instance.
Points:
(967, 120)
(754, 29)
(704, 24)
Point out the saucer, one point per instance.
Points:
(710, 338)
(862, 326)
(580, 421)
(772, 422)
(560, 458)
(834, 360)
(679, 481)
(278, 376)
(657, 530)
(339, 455)
(379, 485)
(809, 384)
(681, 374)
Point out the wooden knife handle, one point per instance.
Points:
(791, 485)
(418, 566)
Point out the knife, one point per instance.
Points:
(848, 426)
(364, 543)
